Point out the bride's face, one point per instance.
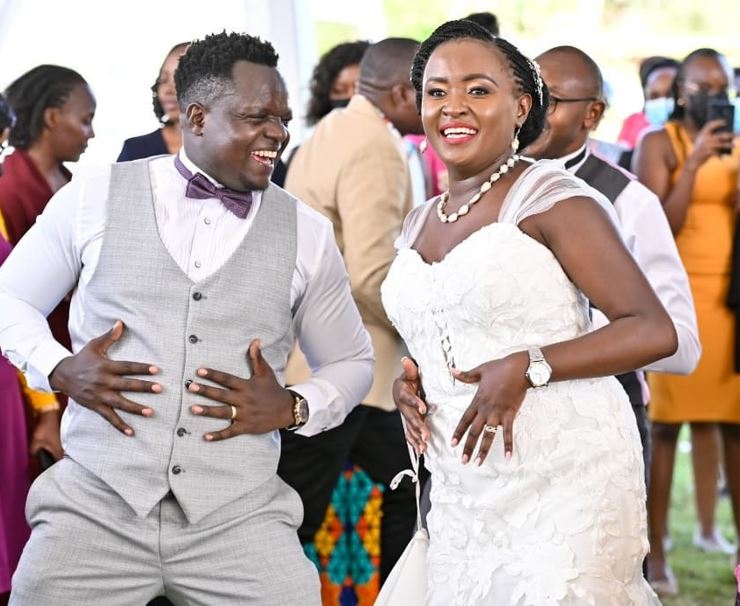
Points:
(470, 104)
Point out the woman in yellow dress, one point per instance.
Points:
(692, 165)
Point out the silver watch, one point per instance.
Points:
(539, 371)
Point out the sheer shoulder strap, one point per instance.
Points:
(413, 223)
(543, 185)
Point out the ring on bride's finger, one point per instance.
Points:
(489, 428)
(233, 413)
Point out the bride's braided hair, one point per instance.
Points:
(524, 71)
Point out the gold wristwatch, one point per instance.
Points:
(300, 411)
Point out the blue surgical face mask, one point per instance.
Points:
(736, 127)
(657, 111)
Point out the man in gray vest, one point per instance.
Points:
(576, 107)
(197, 273)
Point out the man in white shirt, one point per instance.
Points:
(202, 271)
(576, 107)
(354, 170)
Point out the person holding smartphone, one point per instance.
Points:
(692, 165)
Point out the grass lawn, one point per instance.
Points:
(704, 579)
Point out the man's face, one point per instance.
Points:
(568, 121)
(239, 137)
(405, 115)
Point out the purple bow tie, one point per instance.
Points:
(199, 187)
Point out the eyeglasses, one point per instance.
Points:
(552, 106)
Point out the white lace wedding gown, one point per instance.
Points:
(564, 521)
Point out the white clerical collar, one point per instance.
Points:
(572, 162)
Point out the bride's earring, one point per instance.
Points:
(423, 145)
(515, 141)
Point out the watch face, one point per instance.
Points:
(303, 411)
(539, 374)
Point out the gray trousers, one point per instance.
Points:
(88, 547)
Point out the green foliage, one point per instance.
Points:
(331, 33)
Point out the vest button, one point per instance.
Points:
(181, 431)
(193, 339)
(188, 383)
(176, 469)
(197, 296)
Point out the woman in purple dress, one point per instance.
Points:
(14, 476)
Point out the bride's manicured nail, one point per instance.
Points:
(465, 459)
(454, 442)
(507, 456)
(479, 461)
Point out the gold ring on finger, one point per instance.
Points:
(233, 412)
(489, 428)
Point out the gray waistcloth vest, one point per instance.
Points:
(179, 326)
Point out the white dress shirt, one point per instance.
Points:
(60, 253)
(647, 235)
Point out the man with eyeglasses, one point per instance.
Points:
(576, 108)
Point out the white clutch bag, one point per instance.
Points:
(406, 585)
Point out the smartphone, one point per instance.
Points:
(725, 111)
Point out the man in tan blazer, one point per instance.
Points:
(354, 170)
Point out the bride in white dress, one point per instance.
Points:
(537, 492)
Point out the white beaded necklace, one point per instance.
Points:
(465, 208)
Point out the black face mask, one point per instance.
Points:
(338, 103)
(698, 106)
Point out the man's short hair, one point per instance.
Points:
(205, 71)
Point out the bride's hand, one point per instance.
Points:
(407, 397)
(501, 390)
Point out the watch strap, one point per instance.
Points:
(535, 355)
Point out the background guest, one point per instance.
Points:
(354, 170)
(485, 19)
(575, 110)
(685, 164)
(334, 79)
(15, 472)
(656, 78)
(54, 110)
(168, 138)
(15, 476)
(7, 119)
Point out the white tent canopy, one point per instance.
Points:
(118, 47)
